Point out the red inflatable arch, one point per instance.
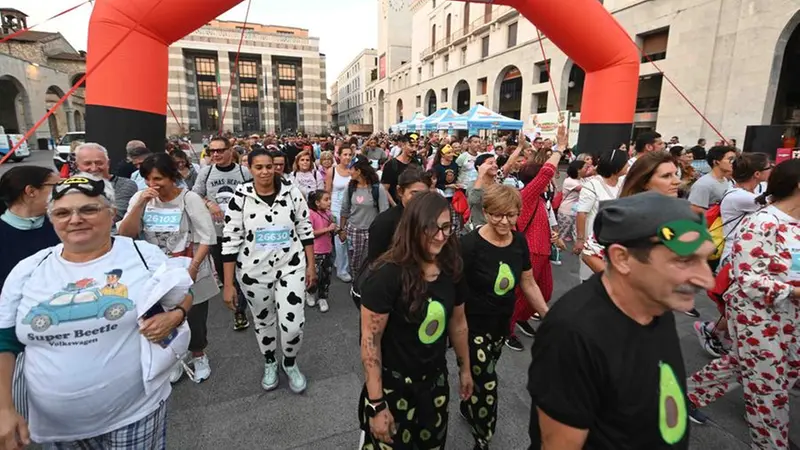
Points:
(126, 97)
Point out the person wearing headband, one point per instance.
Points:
(607, 370)
(76, 310)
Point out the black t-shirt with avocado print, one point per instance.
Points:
(595, 368)
(492, 273)
(411, 347)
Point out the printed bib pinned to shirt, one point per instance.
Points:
(273, 238)
(162, 220)
(794, 272)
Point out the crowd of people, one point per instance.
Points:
(445, 242)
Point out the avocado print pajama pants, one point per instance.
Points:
(419, 408)
(277, 303)
(481, 409)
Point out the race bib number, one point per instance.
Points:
(162, 220)
(374, 163)
(273, 238)
(795, 270)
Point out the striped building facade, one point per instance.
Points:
(279, 85)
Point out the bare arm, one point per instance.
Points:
(329, 179)
(457, 330)
(131, 225)
(13, 429)
(532, 293)
(557, 436)
(372, 327)
(698, 209)
(595, 263)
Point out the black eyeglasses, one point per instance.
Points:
(212, 151)
(446, 228)
(511, 217)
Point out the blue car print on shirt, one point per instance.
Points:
(68, 306)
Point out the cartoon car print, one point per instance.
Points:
(68, 306)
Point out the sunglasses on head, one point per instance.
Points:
(86, 186)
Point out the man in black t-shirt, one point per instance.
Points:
(607, 370)
(396, 166)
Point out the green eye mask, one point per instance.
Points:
(684, 237)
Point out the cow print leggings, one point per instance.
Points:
(279, 303)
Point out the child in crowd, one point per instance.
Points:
(324, 224)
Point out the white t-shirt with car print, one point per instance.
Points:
(78, 322)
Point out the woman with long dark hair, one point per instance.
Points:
(268, 245)
(364, 199)
(411, 298)
(337, 180)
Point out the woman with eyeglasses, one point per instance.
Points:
(177, 221)
(413, 299)
(187, 170)
(686, 172)
(496, 262)
(268, 246)
(98, 347)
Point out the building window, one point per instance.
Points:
(287, 72)
(484, 46)
(540, 102)
(434, 4)
(288, 93)
(512, 35)
(446, 63)
(248, 92)
(430, 69)
(419, 74)
(654, 45)
(482, 86)
(247, 69)
(433, 37)
(205, 66)
(207, 90)
(444, 95)
(487, 13)
(419, 101)
(465, 25)
(540, 71)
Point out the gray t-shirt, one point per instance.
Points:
(708, 191)
(376, 157)
(218, 185)
(360, 210)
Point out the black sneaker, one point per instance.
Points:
(526, 329)
(695, 415)
(513, 343)
(693, 313)
(240, 321)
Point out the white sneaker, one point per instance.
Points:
(345, 277)
(202, 370)
(323, 305)
(176, 373)
(270, 379)
(297, 381)
(310, 300)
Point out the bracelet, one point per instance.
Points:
(180, 308)
(382, 399)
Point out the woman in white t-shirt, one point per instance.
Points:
(612, 165)
(178, 222)
(98, 347)
(305, 176)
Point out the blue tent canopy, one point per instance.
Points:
(432, 122)
(406, 125)
(480, 117)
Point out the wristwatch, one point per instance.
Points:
(373, 408)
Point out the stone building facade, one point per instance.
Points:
(279, 87)
(737, 60)
(36, 70)
(352, 82)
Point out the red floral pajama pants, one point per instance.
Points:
(765, 361)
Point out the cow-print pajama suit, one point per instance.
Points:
(267, 242)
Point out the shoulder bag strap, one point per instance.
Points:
(140, 255)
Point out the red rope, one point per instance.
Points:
(78, 84)
(175, 117)
(547, 68)
(235, 68)
(25, 30)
